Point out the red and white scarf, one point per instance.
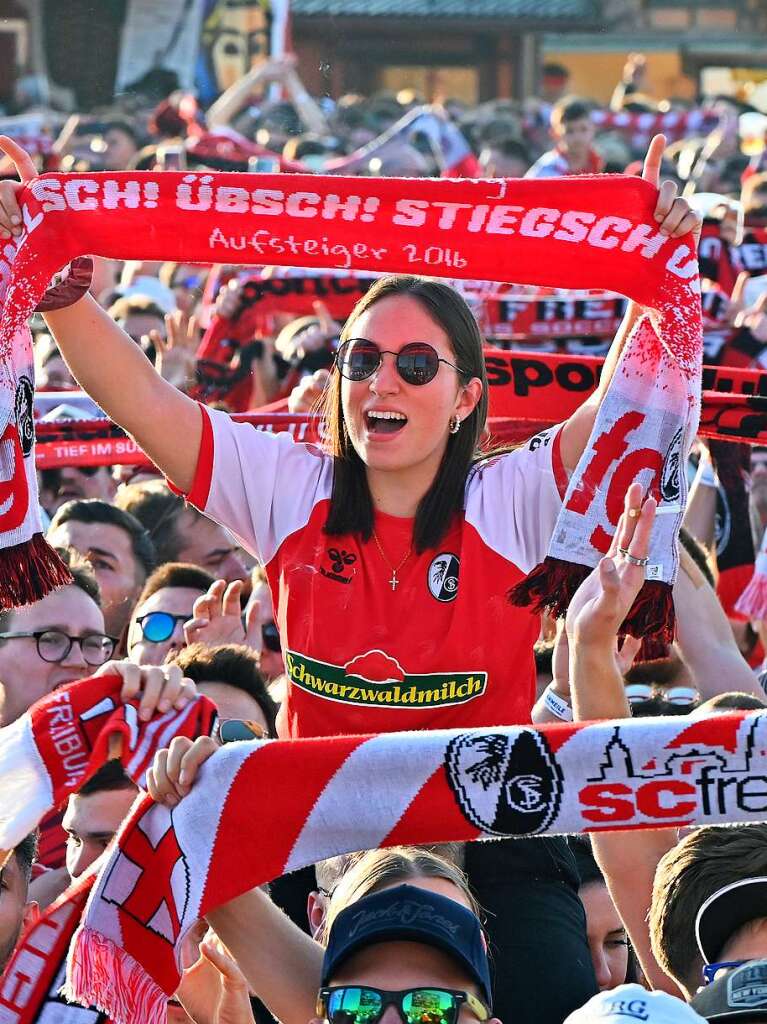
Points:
(550, 232)
(64, 738)
(317, 798)
(45, 755)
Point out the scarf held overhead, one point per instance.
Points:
(551, 232)
(247, 821)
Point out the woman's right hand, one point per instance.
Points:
(10, 213)
(174, 770)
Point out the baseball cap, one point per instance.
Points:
(409, 914)
(628, 1003)
(727, 910)
(740, 994)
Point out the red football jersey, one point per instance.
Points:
(444, 648)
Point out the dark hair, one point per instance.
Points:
(26, 854)
(135, 305)
(569, 110)
(697, 553)
(553, 70)
(174, 574)
(351, 504)
(733, 701)
(82, 577)
(109, 778)
(698, 866)
(511, 147)
(233, 664)
(120, 125)
(588, 869)
(94, 510)
(158, 509)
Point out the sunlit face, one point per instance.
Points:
(26, 677)
(210, 546)
(109, 550)
(173, 600)
(607, 936)
(91, 822)
(14, 909)
(420, 441)
(575, 137)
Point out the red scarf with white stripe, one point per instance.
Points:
(249, 819)
(46, 755)
(551, 232)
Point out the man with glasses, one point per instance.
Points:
(405, 956)
(709, 904)
(51, 642)
(164, 605)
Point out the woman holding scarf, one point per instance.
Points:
(389, 555)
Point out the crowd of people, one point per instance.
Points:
(258, 567)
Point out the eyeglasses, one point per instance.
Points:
(54, 646)
(270, 636)
(710, 971)
(417, 363)
(355, 1004)
(157, 627)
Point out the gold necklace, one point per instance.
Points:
(393, 581)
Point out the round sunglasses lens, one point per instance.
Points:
(157, 627)
(353, 1006)
(417, 364)
(358, 359)
(429, 1006)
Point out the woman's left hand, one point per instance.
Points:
(674, 214)
(604, 599)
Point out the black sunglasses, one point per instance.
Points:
(358, 1004)
(271, 637)
(417, 363)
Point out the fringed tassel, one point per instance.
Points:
(101, 974)
(552, 585)
(752, 603)
(730, 587)
(549, 587)
(652, 650)
(29, 571)
(651, 618)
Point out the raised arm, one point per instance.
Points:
(675, 218)
(627, 861)
(282, 964)
(111, 367)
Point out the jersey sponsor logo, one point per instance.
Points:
(507, 786)
(375, 679)
(442, 576)
(339, 560)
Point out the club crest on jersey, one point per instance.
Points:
(442, 577)
(507, 786)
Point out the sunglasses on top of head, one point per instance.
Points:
(417, 362)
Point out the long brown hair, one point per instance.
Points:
(396, 865)
(351, 504)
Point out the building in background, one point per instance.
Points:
(469, 49)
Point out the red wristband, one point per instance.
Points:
(71, 284)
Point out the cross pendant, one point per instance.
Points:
(394, 581)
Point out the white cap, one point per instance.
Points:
(632, 1003)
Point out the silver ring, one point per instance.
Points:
(632, 559)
